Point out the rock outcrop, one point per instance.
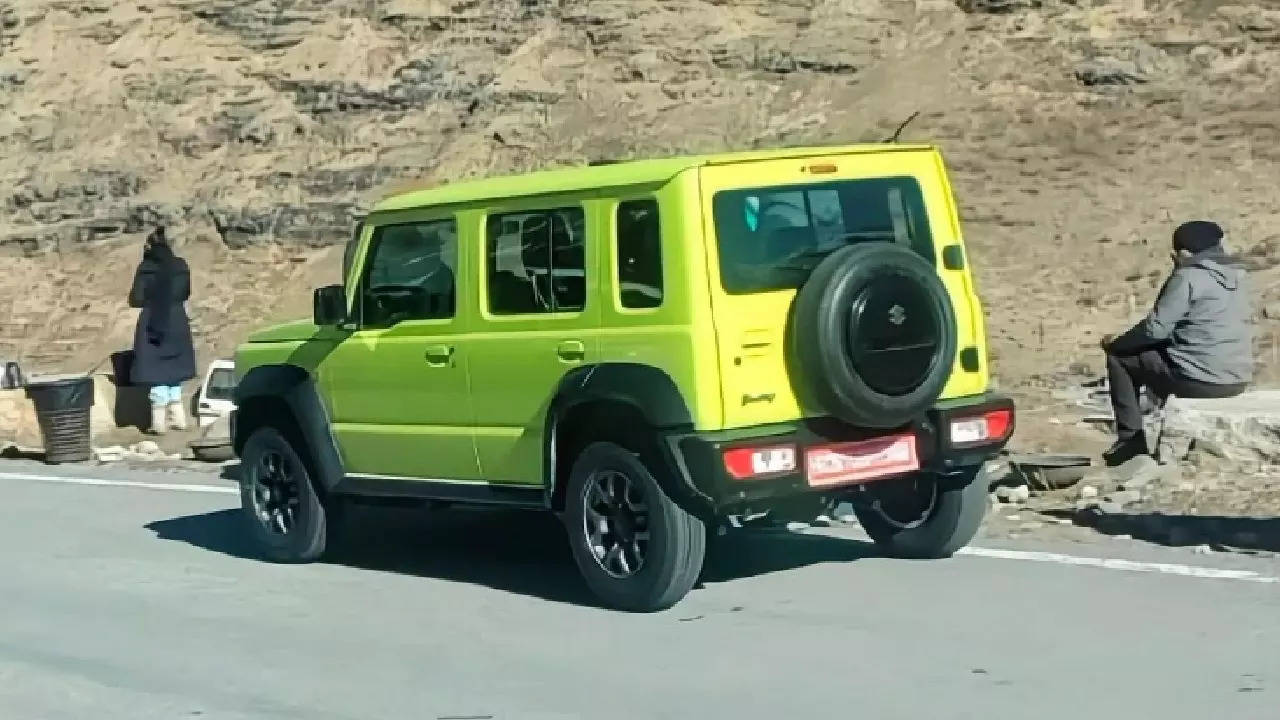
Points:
(1077, 134)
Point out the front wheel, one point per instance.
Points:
(285, 514)
(923, 516)
(637, 550)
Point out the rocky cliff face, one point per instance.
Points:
(1078, 133)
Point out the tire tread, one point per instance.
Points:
(956, 520)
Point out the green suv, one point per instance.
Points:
(648, 349)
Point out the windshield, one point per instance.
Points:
(771, 238)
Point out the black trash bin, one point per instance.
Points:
(62, 407)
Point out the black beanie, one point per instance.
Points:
(1197, 236)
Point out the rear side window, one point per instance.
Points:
(639, 254)
(537, 261)
(771, 238)
(410, 273)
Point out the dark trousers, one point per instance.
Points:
(1127, 375)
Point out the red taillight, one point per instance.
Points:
(989, 427)
(747, 463)
(999, 423)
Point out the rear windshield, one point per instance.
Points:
(222, 384)
(771, 238)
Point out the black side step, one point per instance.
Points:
(517, 496)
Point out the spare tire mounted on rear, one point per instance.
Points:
(874, 336)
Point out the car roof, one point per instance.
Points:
(633, 172)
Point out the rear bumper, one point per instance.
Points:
(698, 457)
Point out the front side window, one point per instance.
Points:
(410, 273)
(536, 261)
(771, 238)
(639, 254)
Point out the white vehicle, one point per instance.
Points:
(214, 398)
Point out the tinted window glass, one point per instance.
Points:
(222, 384)
(410, 273)
(537, 261)
(639, 254)
(772, 238)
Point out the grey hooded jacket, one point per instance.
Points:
(1202, 316)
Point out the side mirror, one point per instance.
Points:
(329, 306)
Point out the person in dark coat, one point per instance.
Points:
(1197, 342)
(164, 354)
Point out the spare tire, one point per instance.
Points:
(873, 336)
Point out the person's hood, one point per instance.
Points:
(158, 254)
(1225, 269)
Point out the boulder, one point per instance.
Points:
(1244, 429)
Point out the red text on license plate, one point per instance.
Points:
(861, 461)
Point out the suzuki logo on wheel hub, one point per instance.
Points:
(897, 315)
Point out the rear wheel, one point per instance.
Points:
(637, 549)
(920, 517)
(285, 514)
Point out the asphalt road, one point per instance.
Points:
(140, 603)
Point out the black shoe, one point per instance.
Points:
(1125, 450)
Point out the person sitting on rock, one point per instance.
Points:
(1196, 342)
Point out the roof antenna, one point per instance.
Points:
(894, 137)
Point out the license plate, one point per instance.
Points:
(861, 461)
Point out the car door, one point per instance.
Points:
(537, 323)
(398, 384)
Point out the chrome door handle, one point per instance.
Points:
(571, 351)
(439, 355)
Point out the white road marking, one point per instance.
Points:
(1195, 571)
(178, 487)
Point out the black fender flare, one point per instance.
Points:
(295, 389)
(647, 389)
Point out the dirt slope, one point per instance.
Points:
(1078, 134)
